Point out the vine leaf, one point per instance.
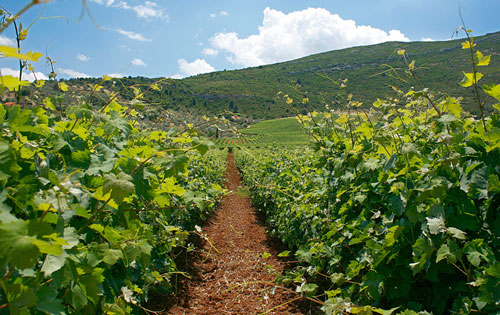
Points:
(493, 90)
(468, 79)
(120, 186)
(482, 60)
(16, 245)
(11, 52)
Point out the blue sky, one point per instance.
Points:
(166, 38)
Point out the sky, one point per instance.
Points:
(177, 39)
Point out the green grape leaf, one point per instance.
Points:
(386, 312)
(111, 256)
(63, 86)
(493, 90)
(373, 284)
(468, 79)
(170, 186)
(456, 233)
(12, 83)
(120, 186)
(20, 297)
(436, 225)
(467, 44)
(444, 253)
(201, 146)
(16, 245)
(481, 59)
(78, 299)
(285, 253)
(476, 251)
(12, 52)
(422, 251)
(52, 248)
(49, 104)
(493, 183)
(48, 302)
(362, 310)
(390, 238)
(5, 216)
(408, 148)
(308, 289)
(451, 105)
(53, 263)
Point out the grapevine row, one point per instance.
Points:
(396, 208)
(94, 209)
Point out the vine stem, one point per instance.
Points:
(474, 78)
(414, 75)
(26, 8)
(93, 216)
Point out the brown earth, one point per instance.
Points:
(233, 276)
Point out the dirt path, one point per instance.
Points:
(236, 279)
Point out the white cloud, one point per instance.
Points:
(188, 69)
(427, 39)
(148, 10)
(26, 75)
(73, 73)
(138, 62)
(221, 13)
(5, 41)
(82, 57)
(288, 36)
(210, 52)
(115, 75)
(132, 35)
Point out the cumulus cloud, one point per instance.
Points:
(72, 73)
(188, 69)
(210, 52)
(82, 57)
(288, 36)
(427, 39)
(138, 62)
(132, 35)
(29, 76)
(147, 10)
(5, 41)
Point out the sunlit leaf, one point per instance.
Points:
(493, 90)
(12, 52)
(12, 83)
(63, 86)
(467, 44)
(482, 60)
(468, 79)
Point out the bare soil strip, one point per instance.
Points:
(233, 276)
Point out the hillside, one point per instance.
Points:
(252, 92)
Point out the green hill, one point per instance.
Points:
(252, 92)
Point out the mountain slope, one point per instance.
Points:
(252, 92)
